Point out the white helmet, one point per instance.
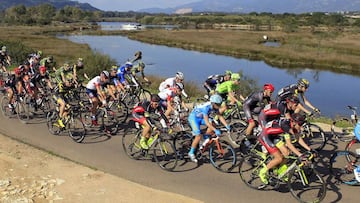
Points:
(180, 75)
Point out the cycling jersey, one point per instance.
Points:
(121, 74)
(288, 91)
(254, 103)
(145, 107)
(212, 81)
(224, 88)
(270, 136)
(282, 106)
(196, 117)
(170, 82)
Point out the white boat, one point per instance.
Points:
(131, 26)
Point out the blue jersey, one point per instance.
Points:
(121, 72)
(203, 109)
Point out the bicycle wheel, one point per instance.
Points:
(52, 122)
(22, 110)
(343, 129)
(249, 168)
(306, 185)
(131, 143)
(76, 129)
(342, 169)
(238, 128)
(354, 147)
(222, 157)
(122, 111)
(110, 122)
(165, 154)
(314, 137)
(182, 143)
(144, 94)
(5, 108)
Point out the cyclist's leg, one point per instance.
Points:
(195, 126)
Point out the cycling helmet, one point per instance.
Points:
(105, 73)
(155, 98)
(179, 75)
(228, 72)
(42, 69)
(180, 85)
(303, 82)
(235, 76)
(293, 99)
(298, 118)
(138, 54)
(26, 63)
(114, 68)
(17, 71)
(50, 59)
(39, 53)
(80, 62)
(128, 64)
(3, 48)
(269, 86)
(216, 99)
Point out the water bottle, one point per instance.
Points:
(357, 173)
(264, 150)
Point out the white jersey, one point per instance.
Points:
(170, 82)
(93, 83)
(166, 93)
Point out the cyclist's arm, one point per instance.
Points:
(303, 144)
(307, 102)
(208, 124)
(290, 145)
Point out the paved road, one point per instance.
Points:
(203, 183)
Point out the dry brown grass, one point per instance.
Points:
(336, 51)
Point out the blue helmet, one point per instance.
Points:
(216, 99)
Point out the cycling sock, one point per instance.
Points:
(192, 150)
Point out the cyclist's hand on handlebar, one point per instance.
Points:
(228, 127)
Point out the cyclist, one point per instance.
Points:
(141, 114)
(171, 82)
(298, 89)
(65, 76)
(200, 115)
(61, 100)
(14, 85)
(95, 93)
(137, 56)
(79, 66)
(123, 72)
(49, 63)
(214, 80)
(5, 59)
(167, 96)
(39, 81)
(254, 103)
(272, 137)
(288, 106)
(227, 91)
(139, 68)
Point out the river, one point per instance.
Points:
(330, 92)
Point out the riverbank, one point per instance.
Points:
(334, 51)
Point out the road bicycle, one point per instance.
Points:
(301, 178)
(73, 123)
(217, 151)
(107, 116)
(345, 166)
(161, 147)
(342, 128)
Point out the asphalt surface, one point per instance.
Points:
(202, 182)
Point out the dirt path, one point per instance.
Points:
(31, 175)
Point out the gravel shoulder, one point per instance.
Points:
(31, 175)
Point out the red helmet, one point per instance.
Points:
(42, 69)
(269, 86)
(17, 71)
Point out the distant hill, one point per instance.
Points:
(58, 4)
(273, 6)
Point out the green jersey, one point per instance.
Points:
(226, 87)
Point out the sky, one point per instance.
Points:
(134, 5)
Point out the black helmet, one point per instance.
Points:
(27, 63)
(298, 118)
(293, 99)
(155, 98)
